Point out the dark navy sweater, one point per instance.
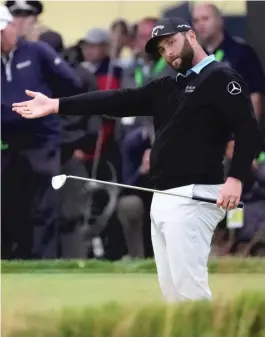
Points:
(194, 115)
(37, 67)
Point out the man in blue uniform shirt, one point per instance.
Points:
(209, 26)
(32, 152)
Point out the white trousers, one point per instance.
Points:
(182, 231)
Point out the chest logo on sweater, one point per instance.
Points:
(23, 64)
(234, 88)
(189, 89)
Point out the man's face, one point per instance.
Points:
(23, 22)
(8, 38)
(206, 23)
(177, 51)
(118, 37)
(94, 53)
(144, 32)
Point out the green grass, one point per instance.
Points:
(34, 293)
(46, 287)
(215, 265)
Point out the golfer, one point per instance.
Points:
(194, 115)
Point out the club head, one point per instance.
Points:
(58, 181)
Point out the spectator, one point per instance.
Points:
(95, 49)
(96, 54)
(132, 36)
(25, 14)
(209, 25)
(73, 55)
(78, 133)
(54, 39)
(33, 153)
(131, 45)
(123, 37)
(101, 152)
(119, 36)
(131, 208)
(26, 17)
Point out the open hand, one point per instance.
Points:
(230, 194)
(80, 154)
(39, 106)
(145, 165)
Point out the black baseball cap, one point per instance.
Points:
(165, 27)
(24, 8)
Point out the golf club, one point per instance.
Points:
(60, 180)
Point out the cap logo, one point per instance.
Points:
(21, 4)
(183, 26)
(155, 30)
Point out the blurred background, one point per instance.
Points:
(105, 12)
(65, 48)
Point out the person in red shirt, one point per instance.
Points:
(95, 49)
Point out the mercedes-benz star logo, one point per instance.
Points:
(234, 88)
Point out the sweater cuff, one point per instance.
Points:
(63, 102)
(234, 173)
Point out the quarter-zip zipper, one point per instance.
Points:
(7, 64)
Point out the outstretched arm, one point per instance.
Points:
(117, 103)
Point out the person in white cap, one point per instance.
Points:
(33, 153)
(27, 20)
(8, 30)
(25, 14)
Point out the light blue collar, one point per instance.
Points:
(199, 66)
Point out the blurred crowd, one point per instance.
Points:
(84, 220)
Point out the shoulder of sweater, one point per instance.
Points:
(169, 71)
(225, 72)
(167, 79)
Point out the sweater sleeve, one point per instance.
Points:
(116, 103)
(235, 105)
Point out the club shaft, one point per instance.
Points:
(198, 198)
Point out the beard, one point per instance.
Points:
(186, 56)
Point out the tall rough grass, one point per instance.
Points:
(241, 317)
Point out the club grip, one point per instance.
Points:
(213, 201)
